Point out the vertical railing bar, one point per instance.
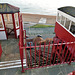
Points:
(60, 47)
(35, 54)
(26, 54)
(55, 53)
(21, 57)
(0, 50)
(72, 54)
(48, 53)
(30, 56)
(64, 51)
(69, 54)
(44, 52)
(39, 53)
(60, 52)
(66, 55)
(53, 49)
(71, 58)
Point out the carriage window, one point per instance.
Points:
(72, 29)
(67, 23)
(62, 20)
(59, 17)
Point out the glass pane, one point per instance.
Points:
(58, 17)
(72, 29)
(67, 23)
(10, 18)
(1, 25)
(5, 17)
(16, 19)
(9, 22)
(62, 20)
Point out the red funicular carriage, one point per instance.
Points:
(65, 25)
(62, 50)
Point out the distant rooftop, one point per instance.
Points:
(6, 8)
(68, 10)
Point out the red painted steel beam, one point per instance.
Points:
(0, 51)
(13, 18)
(2, 30)
(19, 18)
(35, 54)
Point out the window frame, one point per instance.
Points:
(2, 23)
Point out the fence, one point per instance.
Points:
(44, 55)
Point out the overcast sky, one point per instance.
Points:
(51, 3)
(45, 4)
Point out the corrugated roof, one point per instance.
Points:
(68, 10)
(6, 8)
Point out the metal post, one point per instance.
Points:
(0, 51)
(44, 53)
(48, 53)
(35, 54)
(14, 25)
(19, 18)
(21, 56)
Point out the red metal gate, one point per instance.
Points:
(44, 55)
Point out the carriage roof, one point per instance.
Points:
(6, 8)
(68, 10)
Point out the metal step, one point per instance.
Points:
(11, 64)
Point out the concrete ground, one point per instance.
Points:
(52, 70)
(10, 50)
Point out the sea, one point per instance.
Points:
(44, 7)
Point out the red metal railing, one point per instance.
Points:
(45, 55)
(0, 51)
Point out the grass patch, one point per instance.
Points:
(41, 26)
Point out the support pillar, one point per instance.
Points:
(0, 51)
(19, 18)
(14, 25)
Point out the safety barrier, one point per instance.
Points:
(44, 55)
